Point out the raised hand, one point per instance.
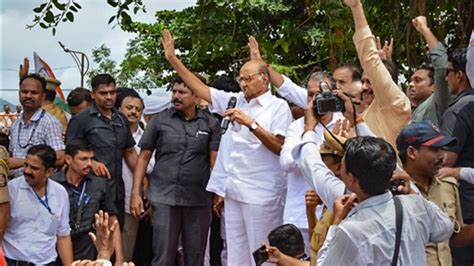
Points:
(386, 51)
(254, 49)
(167, 41)
(420, 23)
(352, 3)
(103, 241)
(24, 68)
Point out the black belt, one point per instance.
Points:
(25, 263)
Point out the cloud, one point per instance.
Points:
(89, 30)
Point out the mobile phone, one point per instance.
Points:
(260, 255)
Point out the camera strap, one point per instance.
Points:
(398, 228)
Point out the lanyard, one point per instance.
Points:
(45, 201)
(32, 132)
(79, 204)
(81, 194)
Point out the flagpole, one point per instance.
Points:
(82, 64)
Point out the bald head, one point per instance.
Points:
(254, 78)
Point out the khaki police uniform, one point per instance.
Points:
(444, 193)
(4, 195)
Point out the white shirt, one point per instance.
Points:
(295, 210)
(127, 174)
(32, 233)
(314, 170)
(367, 235)
(293, 93)
(245, 169)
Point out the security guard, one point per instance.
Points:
(420, 147)
(87, 195)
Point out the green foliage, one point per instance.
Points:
(294, 35)
(51, 13)
(128, 74)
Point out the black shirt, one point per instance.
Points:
(182, 166)
(458, 122)
(95, 197)
(109, 139)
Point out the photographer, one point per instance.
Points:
(294, 212)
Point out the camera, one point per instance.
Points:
(326, 102)
(393, 186)
(260, 255)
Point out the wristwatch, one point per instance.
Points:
(253, 126)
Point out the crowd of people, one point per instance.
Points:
(345, 170)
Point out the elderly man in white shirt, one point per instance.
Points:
(295, 212)
(248, 160)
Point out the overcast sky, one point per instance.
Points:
(89, 31)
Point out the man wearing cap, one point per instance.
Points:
(34, 125)
(48, 103)
(420, 146)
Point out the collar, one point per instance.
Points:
(25, 185)
(372, 201)
(468, 91)
(94, 111)
(199, 114)
(263, 99)
(60, 176)
(138, 133)
(36, 116)
(434, 182)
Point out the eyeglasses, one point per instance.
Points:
(247, 78)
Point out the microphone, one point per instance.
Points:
(226, 120)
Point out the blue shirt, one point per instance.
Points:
(32, 233)
(367, 235)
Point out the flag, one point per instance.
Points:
(44, 70)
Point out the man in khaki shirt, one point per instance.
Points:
(420, 147)
(4, 195)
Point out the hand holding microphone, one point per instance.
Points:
(226, 120)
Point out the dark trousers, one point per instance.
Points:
(171, 222)
(11, 262)
(120, 204)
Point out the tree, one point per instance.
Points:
(294, 35)
(128, 74)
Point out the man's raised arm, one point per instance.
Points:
(285, 87)
(193, 83)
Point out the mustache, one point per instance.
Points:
(27, 175)
(177, 101)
